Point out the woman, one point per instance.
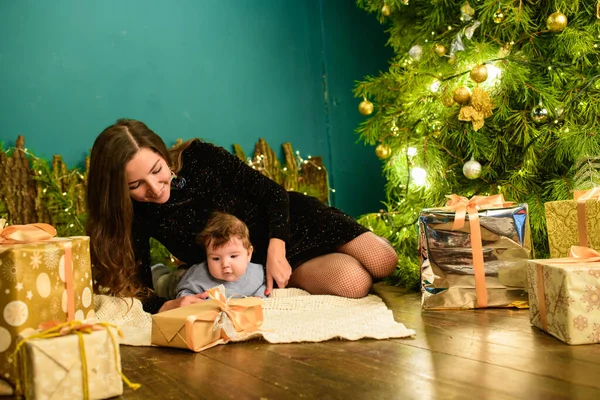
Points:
(137, 189)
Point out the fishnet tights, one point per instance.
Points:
(350, 271)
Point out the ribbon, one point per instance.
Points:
(229, 319)
(582, 196)
(25, 233)
(577, 254)
(53, 329)
(39, 232)
(463, 207)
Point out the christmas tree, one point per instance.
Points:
(482, 97)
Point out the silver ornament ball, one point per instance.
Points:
(472, 169)
(415, 52)
(539, 114)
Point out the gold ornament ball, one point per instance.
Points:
(462, 95)
(365, 107)
(472, 169)
(386, 11)
(447, 101)
(439, 49)
(557, 22)
(383, 151)
(479, 73)
(498, 16)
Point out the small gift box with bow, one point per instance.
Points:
(564, 296)
(42, 278)
(474, 253)
(574, 222)
(71, 360)
(203, 325)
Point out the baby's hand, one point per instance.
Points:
(181, 302)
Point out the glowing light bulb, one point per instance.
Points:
(419, 176)
(411, 151)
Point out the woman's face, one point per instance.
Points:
(149, 177)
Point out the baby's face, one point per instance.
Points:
(228, 262)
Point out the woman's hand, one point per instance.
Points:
(182, 301)
(278, 267)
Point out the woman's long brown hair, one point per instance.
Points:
(109, 205)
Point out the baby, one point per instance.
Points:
(228, 251)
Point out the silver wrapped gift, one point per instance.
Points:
(447, 271)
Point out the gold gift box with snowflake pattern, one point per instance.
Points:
(43, 281)
(564, 299)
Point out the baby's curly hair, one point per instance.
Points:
(219, 230)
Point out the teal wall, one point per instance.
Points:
(226, 71)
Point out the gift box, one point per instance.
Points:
(70, 361)
(474, 253)
(206, 324)
(40, 281)
(573, 222)
(564, 298)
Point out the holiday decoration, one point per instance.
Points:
(70, 361)
(215, 321)
(383, 151)
(439, 49)
(557, 22)
(386, 11)
(45, 278)
(462, 95)
(530, 152)
(405, 2)
(365, 107)
(498, 16)
(564, 296)
(447, 101)
(472, 169)
(573, 222)
(474, 262)
(416, 52)
(479, 73)
(478, 110)
(467, 11)
(539, 113)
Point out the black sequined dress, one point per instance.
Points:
(216, 180)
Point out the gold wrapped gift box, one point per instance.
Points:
(572, 223)
(35, 282)
(72, 366)
(206, 324)
(564, 299)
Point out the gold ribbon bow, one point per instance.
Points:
(30, 233)
(25, 233)
(53, 329)
(462, 207)
(231, 318)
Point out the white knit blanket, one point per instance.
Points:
(290, 315)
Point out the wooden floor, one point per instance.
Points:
(482, 354)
